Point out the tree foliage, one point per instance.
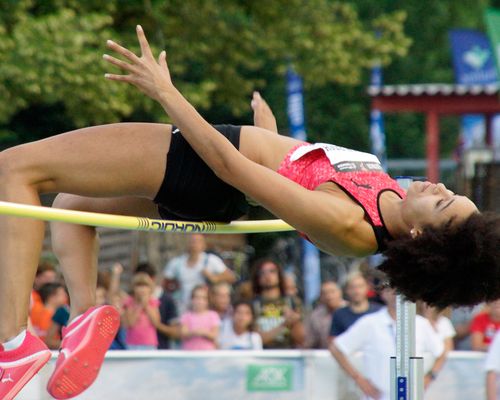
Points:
(219, 51)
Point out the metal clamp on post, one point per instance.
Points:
(407, 370)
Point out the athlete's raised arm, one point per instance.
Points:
(326, 219)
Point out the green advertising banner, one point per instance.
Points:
(269, 378)
(492, 19)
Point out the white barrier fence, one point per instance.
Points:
(230, 375)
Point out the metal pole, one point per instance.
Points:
(406, 369)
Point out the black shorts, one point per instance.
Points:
(190, 190)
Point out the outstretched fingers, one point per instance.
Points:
(119, 63)
(143, 42)
(129, 55)
(150, 76)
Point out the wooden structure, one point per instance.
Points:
(435, 100)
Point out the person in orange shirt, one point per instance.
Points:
(45, 273)
(53, 295)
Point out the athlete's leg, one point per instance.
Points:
(265, 147)
(76, 246)
(104, 161)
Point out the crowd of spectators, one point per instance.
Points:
(196, 303)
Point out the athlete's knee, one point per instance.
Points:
(7, 165)
(16, 166)
(67, 201)
(67, 237)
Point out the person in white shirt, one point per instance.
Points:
(375, 336)
(445, 330)
(492, 367)
(196, 267)
(240, 336)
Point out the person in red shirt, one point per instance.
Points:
(484, 326)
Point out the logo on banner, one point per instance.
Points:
(269, 378)
(476, 57)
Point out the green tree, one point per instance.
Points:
(219, 51)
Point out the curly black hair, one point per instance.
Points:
(448, 266)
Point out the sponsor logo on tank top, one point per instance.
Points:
(341, 158)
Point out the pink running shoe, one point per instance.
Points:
(18, 366)
(83, 348)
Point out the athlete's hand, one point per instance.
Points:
(148, 75)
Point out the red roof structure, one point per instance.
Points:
(436, 100)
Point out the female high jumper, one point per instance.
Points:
(439, 248)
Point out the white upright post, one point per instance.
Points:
(407, 378)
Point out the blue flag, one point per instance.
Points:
(377, 133)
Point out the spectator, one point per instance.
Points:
(220, 296)
(278, 317)
(196, 267)
(45, 273)
(141, 314)
(356, 289)
(445, 330)
(152, 271)
(200, 326)
(317, 326)
(53, 296)
(244, 291)
(169, 328)
(484, 326)
(104, 291)
(461, 318)
(240, 335)
(109, 292)
(291, 285)
(375, 336)
(492, 367)
(59, 320)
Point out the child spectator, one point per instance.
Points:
(152, 271)
(59, 319)
(53, 296)
(220, 302)
(240, 335)
(484, 326)
(45, 273)
(199, 326)
(141, 314)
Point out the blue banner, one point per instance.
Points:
(296, 120)
(473, 63)
(377, 133)
(473, 59)
(295, 105)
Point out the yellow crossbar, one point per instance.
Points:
(139, 223)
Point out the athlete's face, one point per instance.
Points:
(429, 204)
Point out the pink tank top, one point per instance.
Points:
(359, 174)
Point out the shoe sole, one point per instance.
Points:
(43, 358)
(80, 369)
